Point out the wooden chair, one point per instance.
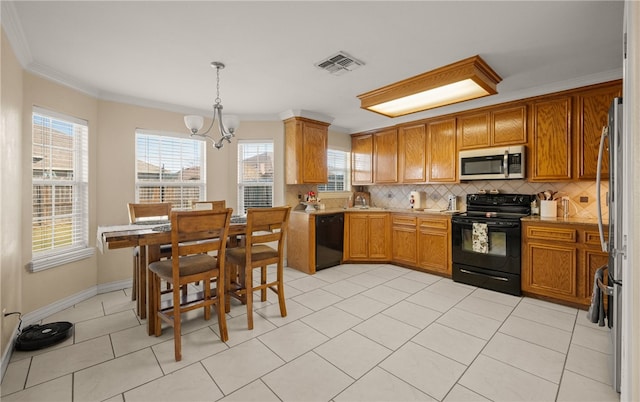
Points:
(194, 234)
(211, 205)
(140, 213)
(264, 225)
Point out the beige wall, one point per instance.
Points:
(10, 182)
(116, 166)
(45, 287)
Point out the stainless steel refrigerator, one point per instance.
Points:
(615, 245)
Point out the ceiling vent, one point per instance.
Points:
(339, 63)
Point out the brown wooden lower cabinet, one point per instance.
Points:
(367, 236)
(434, 244)
(422, 242)
(559, 261)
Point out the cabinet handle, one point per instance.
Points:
(499, 278)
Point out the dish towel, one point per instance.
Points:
(480, 238)
(595, 314)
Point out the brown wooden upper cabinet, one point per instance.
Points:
(443, 153)
(385, 156)
(305, 151)
(362, 159)
(412, 153)
(491, 128)
(561, 131)
(550, 143)
(592, 107)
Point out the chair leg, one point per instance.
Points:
(227, 286)
(281, 302)
(177, 341)
(154, 303)
(221, 296)
(248, 288)
(134, 288)
(263, 281)
(207, 296)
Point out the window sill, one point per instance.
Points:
(54, 260)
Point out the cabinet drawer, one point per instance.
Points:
(593, 237)
(403, 220)
(442, 224)
(549, 233)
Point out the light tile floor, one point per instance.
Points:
(353, 333)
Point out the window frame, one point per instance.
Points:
(79, 183)
(241, 185)
(347, 176)
(183, 202)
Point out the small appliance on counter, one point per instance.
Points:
(452, 203)
(417, 200)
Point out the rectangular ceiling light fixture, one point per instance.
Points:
(458, 82)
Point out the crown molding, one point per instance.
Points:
(15, 34)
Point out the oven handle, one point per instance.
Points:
(505, 164)
(499, 278)
(465, 221)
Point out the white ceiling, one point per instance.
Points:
(158, 53)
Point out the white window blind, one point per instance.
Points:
(337, 170)
(169, 169)
(60, 205)
(255, 175)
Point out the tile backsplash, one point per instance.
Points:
(397, 196)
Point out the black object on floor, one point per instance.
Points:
(41, 336)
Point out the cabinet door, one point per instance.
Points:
(385, 156)
(591, 261)
(358, 237)
(404, 239)
(362, 159)
(473, 130)
(412, 154)
(314, 153)
(550, 270)
(509, 126)
(443, 154)
(592, 111)
(551, 140)
(305, 151)
(434, 245)
(379, 233)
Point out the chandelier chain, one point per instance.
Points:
(218, 100)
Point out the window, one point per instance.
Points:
(337, 170)
(169, 169)
(60, 215)
(255, 175)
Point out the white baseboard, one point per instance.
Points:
(40, 314)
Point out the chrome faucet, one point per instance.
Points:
(361, 201)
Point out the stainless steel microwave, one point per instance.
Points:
(500, 163)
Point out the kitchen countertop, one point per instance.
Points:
(373, 209)
(572, 220)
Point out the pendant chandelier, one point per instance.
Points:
(227, 125)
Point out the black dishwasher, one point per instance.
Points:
(329, 239)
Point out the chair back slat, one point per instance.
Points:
(266, 225)
(195, 232)
(209, 205)
(158, 210)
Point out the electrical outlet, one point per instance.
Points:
(389, 194)
(584, 199)
(4, 311)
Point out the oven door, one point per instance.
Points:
(500, 251)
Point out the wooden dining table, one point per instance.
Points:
(149, 240)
